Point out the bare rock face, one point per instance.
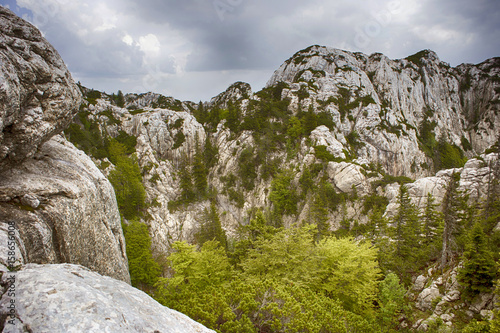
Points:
(62, 207)
(71, 298)
(64, 210)
(385, 101)
(234, 93)
(38, 97)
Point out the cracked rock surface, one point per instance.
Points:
(64, 210)
(71, 298)
(38, 97)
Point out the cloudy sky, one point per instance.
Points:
(194, 49)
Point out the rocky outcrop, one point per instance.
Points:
(322, 136)
(71, 298)
(348, 177)
(475, 178)
(162, 160)
(38, 97)
(439, 292)
(60, 205)
(238, 91)
(64, 210)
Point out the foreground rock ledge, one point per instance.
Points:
(71, 298)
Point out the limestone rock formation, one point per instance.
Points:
(443, 299)
(236, 92)
(71, 298)
(64, 210)
(62, 206)
(38, 97)
(333, 120)
(475, 177)
(385, 101)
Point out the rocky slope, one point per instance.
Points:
(352, 126)
(386, 100)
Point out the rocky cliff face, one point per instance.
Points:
(51, 191)
(64, 210)
(37, 94)
(385, 101)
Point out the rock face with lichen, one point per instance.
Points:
(53, 192)
(38, 97)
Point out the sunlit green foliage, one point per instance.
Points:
(284, 283)
(349, 272)
(283, 194)
(126, 179)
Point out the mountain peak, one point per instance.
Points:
(331, 60)
(423, 56)
(236, 91)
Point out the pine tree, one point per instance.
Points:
(479, 269)
(377, 224)
(306, 182)
(199, 172)
(407, 230)
(233, 117)
(211, 228)
(209, 153)
(319, 215)
(380, 232)
(432, 221)
(452, 207)
(200, 114)
(120, 100)
(186, 182)
(310, 120)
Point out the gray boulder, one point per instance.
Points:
(64, 210)
(71, 298)
(38, 97)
